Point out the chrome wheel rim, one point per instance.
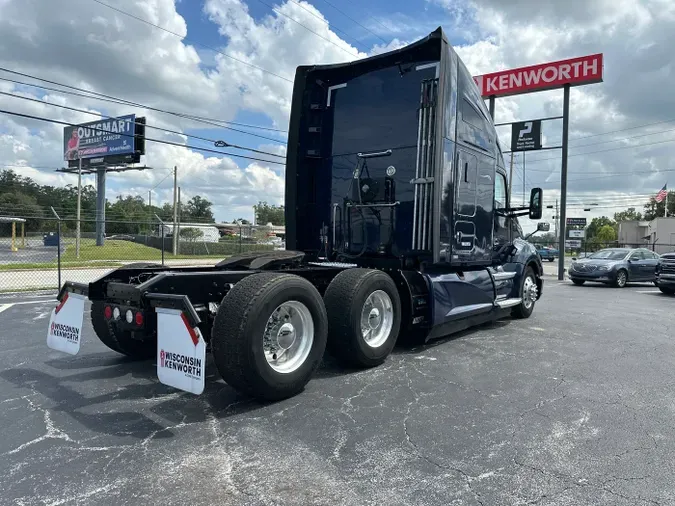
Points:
(529, 292)
(377, 318)
(621, 278)
(288, 337)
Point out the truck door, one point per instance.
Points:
(474, 227)
(465, 204)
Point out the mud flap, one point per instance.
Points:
(181, 351)
(65, 324)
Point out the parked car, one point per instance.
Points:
(548, 253)
(616, 266)
(665, 273)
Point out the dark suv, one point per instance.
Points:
(665, 273)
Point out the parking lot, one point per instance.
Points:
(573, 406)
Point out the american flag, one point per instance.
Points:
(662, 193)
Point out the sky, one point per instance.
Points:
(234, 61)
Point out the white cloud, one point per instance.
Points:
(113, 54)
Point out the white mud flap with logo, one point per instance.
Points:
(65, 324)
(181, 352)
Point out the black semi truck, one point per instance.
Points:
(398, 227)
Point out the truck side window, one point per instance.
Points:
(500, 191)
(472, 116)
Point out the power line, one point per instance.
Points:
(326, 21)
(353, 20)
(217, 142)
(185, 38)
(305, 27)
(187, 146)
(373, 18)
(607, 150)
(109, 98)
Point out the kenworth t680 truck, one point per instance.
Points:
(398, 225)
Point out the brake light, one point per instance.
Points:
(139, 318)
(107, 312)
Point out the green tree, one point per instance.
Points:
(197, 209)
(596, 224)
(606, 234)
(654, 209)
(627, 215)
(265, 213)
(20, 205)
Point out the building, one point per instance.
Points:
(633, 232)
(661, 234)
(658, 234)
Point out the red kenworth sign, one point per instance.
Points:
(546, 76)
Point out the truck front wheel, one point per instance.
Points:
(269, 335)
(142, 347)
(364, 316)
(528, 294)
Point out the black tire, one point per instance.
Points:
(667, 291)
(621, 278)
(345, 298)
(239, 327)
(522, 310)
(551, 259)
(578, 282)
(123, 342)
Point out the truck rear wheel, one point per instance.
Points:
(528, 294)
(121, 341)
(269, 335)
(364, 316)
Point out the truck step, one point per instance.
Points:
(506, 303)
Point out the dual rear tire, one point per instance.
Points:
(271, 329)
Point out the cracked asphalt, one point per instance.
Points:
(574, 406)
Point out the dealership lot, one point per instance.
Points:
(573, 406)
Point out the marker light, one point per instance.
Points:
(107, 312)
(129, 315)
(139, 318)
(116, 313)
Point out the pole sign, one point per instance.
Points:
(581, 222)
(572, 244)
(102, 138)
(576, 234)
(545, 76)
(526, 135)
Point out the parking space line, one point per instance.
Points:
(5, 306)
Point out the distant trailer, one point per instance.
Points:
(210, 233)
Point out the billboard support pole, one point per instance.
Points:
(491, 105)
(79, 205)
(563, 182)
(100, 206)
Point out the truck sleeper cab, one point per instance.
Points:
(398, 226)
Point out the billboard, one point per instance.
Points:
(579, 222)
(526, 135)
(101, 138)
(545, 76)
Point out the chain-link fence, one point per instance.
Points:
(43, 257)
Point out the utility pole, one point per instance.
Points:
(175, 210)
(556, 218)
(523, 179)
(180, 209)
(150, 199)
(79, 204)
(511, 178)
